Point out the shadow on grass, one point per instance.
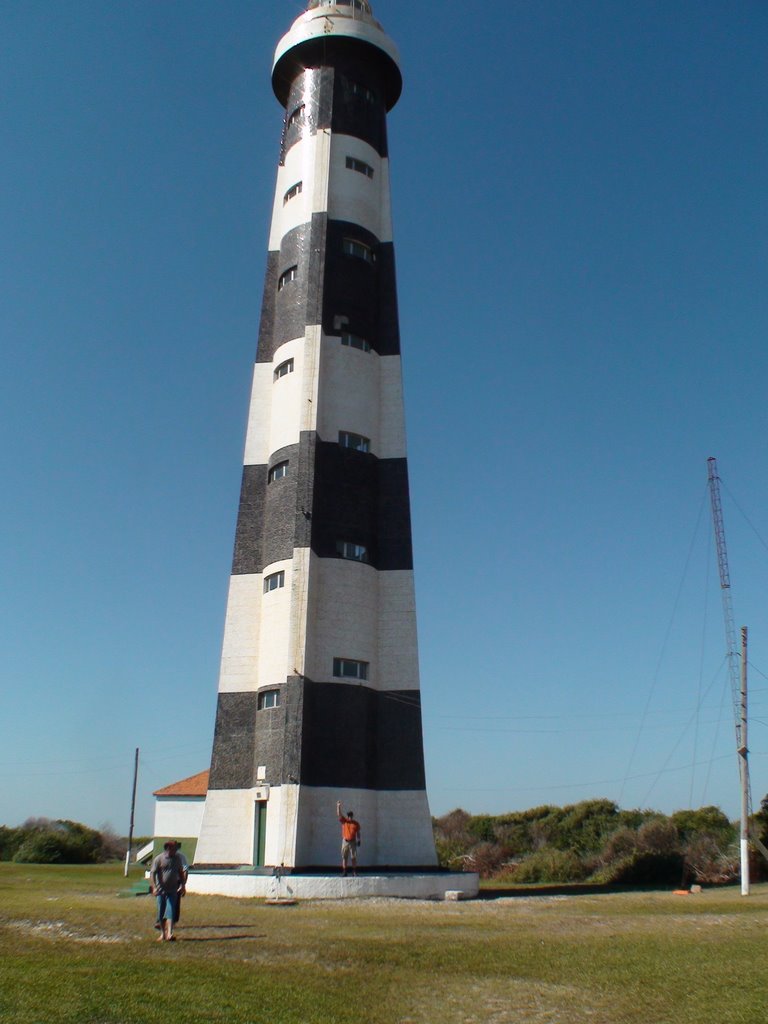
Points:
(564, 889)
(184, 936)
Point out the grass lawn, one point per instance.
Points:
(72, 952)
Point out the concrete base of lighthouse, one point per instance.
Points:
(245, 883)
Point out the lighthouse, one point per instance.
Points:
(319, 696)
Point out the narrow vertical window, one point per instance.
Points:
(349, 440)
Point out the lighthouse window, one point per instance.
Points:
(355, 341)
(293, 191)
(356, 441)
(287, 275)
(274, 581)
(278, 471)
(355, 552)
(362, 90)
(345, 668)
(283, 368)
(269, 699)
(353, 164)
(295, 115)
(360, 5)
(352, 247)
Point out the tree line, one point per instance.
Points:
(47, 841)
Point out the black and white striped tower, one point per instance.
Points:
(319, 688)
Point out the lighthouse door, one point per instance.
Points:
(259, 832)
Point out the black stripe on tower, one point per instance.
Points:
(328, 285)
(329, 494)
(339, 84)
(321, 734)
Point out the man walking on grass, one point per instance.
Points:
(350, 838)
(167, 884)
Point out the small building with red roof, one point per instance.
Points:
(179, 813)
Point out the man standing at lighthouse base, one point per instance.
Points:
(350, 838)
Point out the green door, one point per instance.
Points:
(259, 832)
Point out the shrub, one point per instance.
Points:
(658, 836)
(481, 828)
(621, 844)
(112, 846)
(450, 853)
(549, 866)
(584, 826)
(706, 821)
(708, 863)
(10, 840)
(59, 842)
(485, 858)
(643, 868)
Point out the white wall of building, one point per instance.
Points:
(178, 816)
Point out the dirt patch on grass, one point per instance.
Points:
(61, 930)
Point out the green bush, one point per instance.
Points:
(59, 842)
(481, 828)
(706, 821)
(10, 840)
(658, 836)
(643, 869)
(548, 866)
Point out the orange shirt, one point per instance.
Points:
(349, 829)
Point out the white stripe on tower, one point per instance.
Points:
(319, 688)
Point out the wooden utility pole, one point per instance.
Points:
(133, 810)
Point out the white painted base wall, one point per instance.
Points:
(435, 886)
(302, 827)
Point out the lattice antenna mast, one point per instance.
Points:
(733, 655)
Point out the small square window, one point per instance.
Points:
(292, 192)
(278, 471)
(354, 552)
(283, 369)
(346, 668)
(274, 581)
(268, 699)
(356, 441)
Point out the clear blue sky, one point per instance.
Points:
(580, 220)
